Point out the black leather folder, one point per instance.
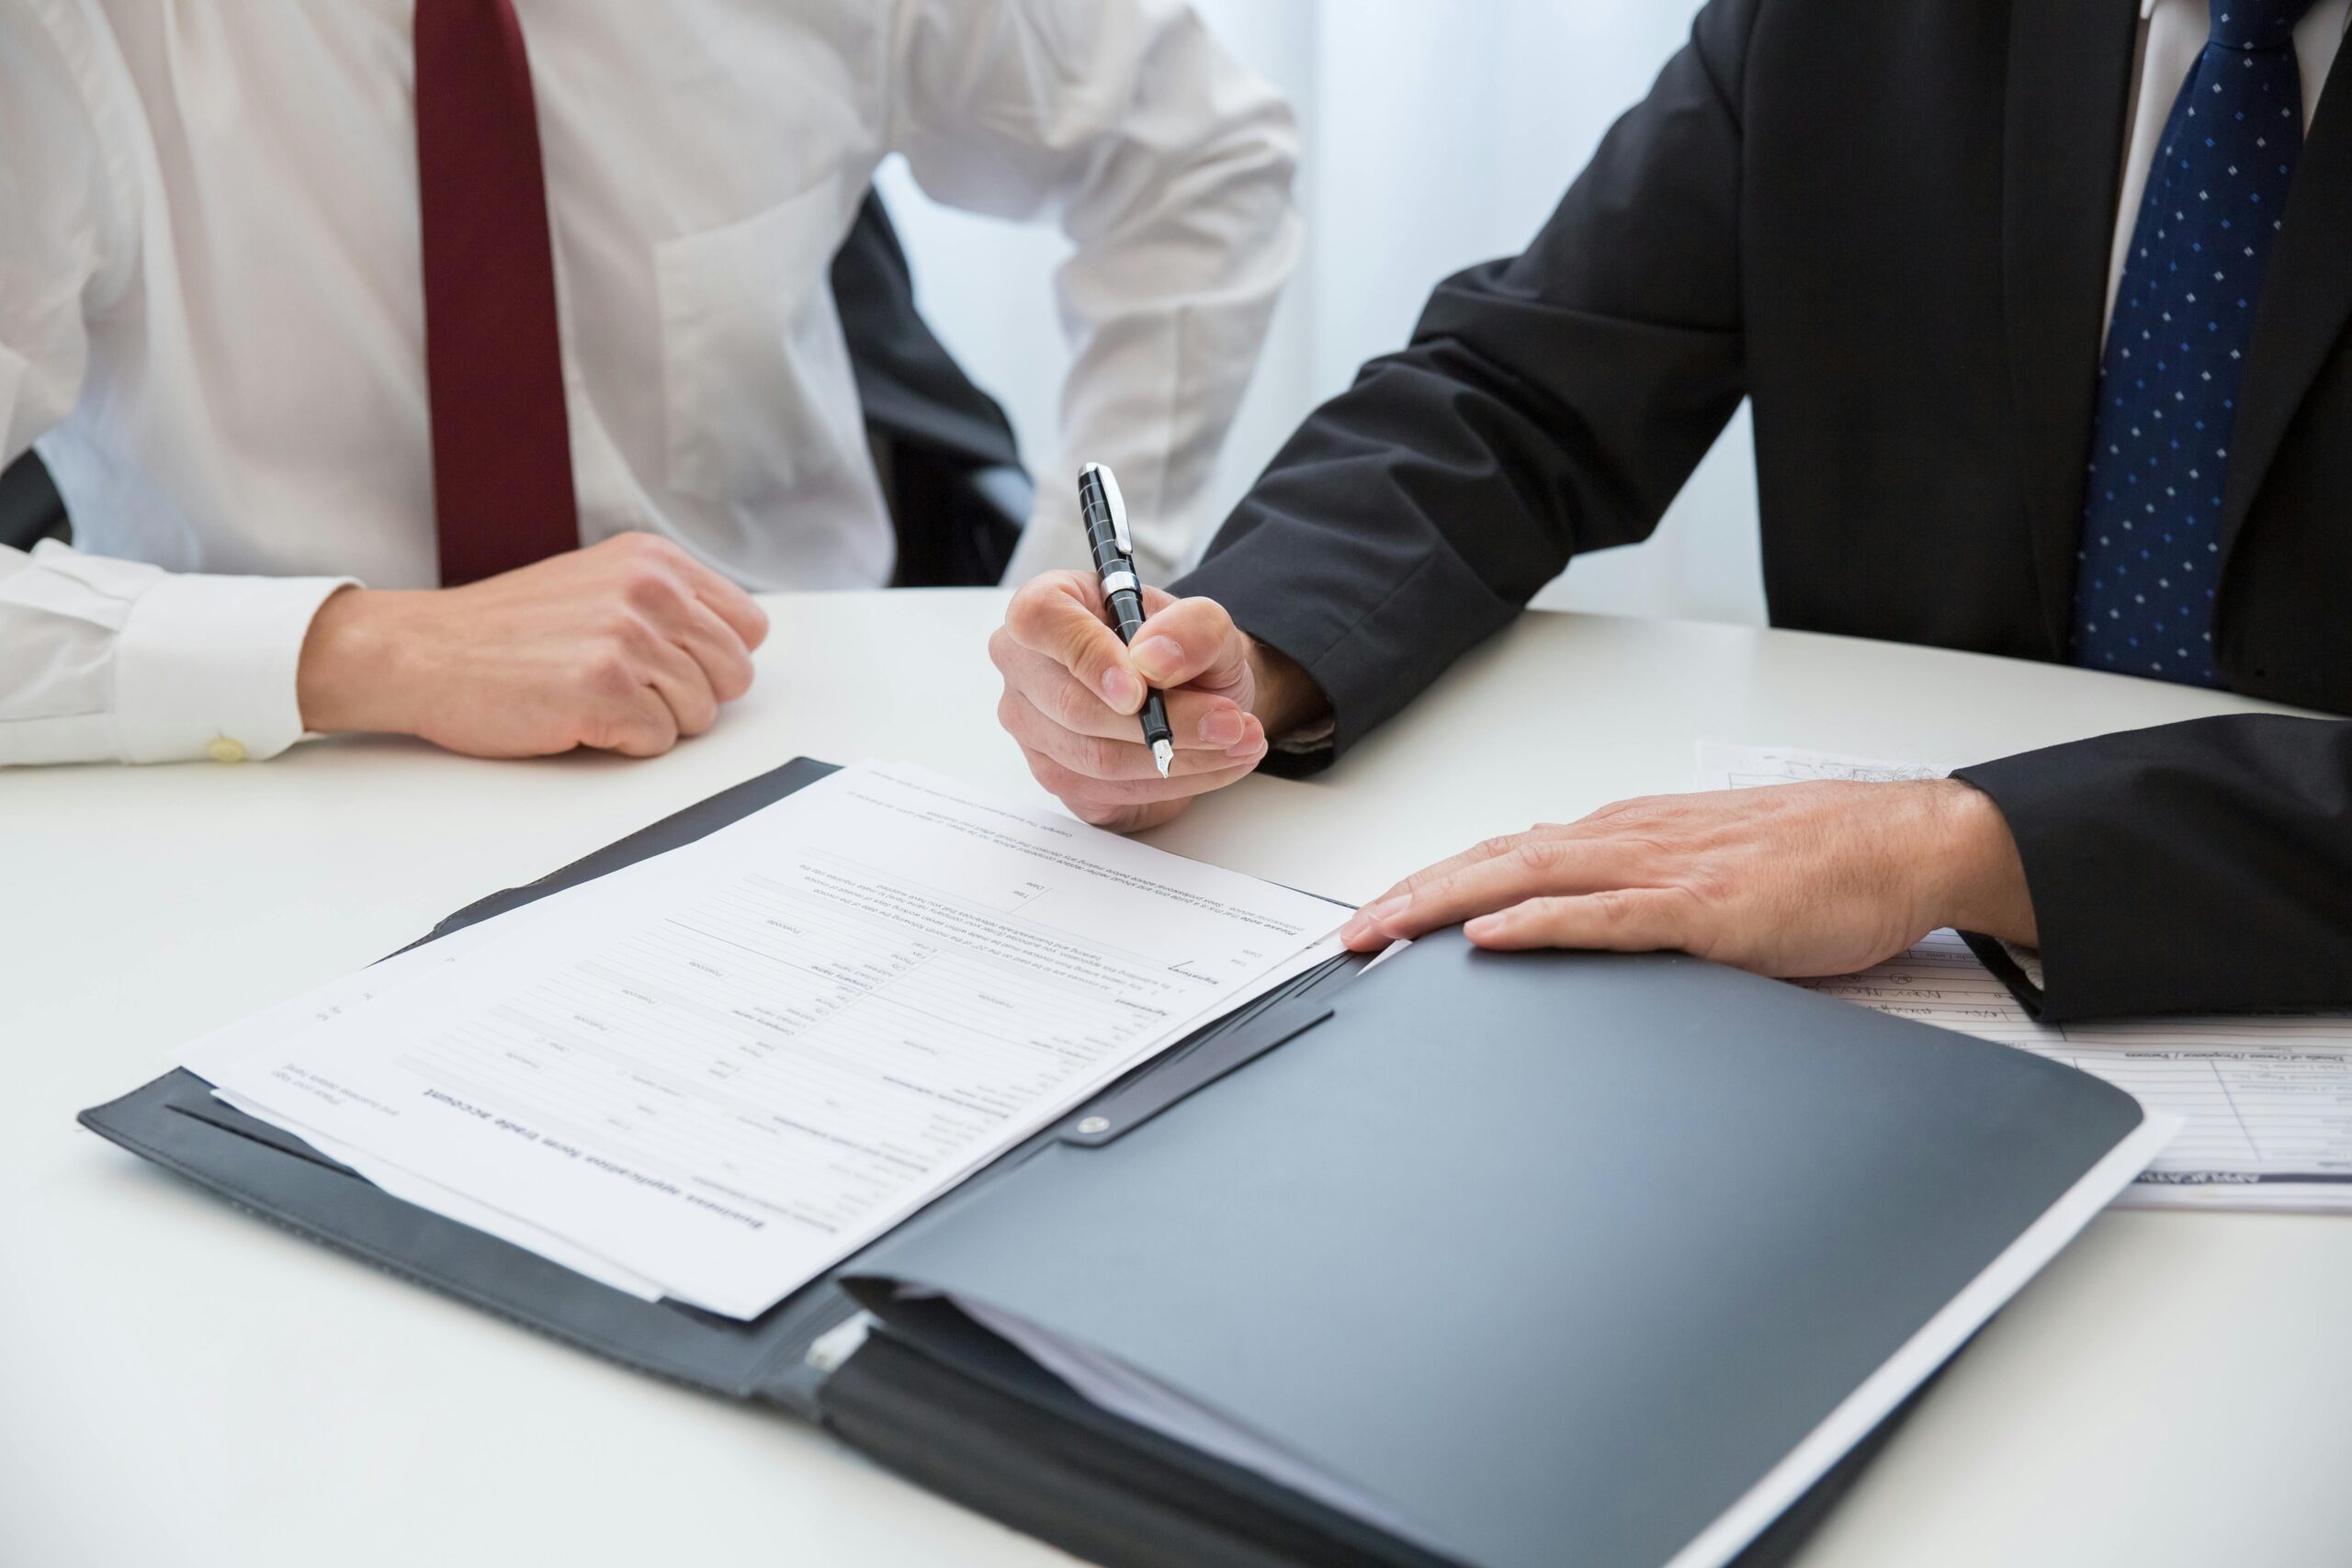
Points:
(1536, 1259)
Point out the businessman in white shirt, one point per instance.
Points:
(343, 326)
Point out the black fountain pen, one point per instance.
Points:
(1099, 503)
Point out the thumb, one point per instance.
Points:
(1189, 642)
(1059, 615)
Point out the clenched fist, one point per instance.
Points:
(1072, 691)
(624, 647)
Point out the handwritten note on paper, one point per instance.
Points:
(2266, 1100)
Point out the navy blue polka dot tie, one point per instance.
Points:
(2150, 556)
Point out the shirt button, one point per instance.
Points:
(224, 750)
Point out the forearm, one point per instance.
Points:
(1547, 405)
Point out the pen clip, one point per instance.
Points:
(1116, 504)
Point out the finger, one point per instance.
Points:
(1088, 796)
(1197, 721)
(683, 687)
(1629, 920)
(714, 591)
(1101, 757)
(737, 609)
(1485, 849)
(637, 724)
(1534, 866)
(1192, 641)
(715, 645)
(1060, 617)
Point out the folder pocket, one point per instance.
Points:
(1533, 1248)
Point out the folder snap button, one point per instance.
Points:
(1094, 1124)
(224, 750)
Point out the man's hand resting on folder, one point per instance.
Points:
(625, 646)
(1793, 879)
(1072, 691)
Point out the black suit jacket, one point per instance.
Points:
(1888, 223)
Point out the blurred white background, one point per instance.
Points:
(1435, 133)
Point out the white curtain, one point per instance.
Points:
(1436, 133)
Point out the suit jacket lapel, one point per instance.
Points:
(2306, 297)
(2062, 139)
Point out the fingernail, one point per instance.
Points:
(1222, 728)
(1246, 749)
(1119, 688)
(1366, 922)
(1158, 658)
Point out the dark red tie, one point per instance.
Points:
(501, 443)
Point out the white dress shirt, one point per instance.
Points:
(211, 319)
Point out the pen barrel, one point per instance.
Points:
(1103, 544)
(1127, 610)
(1154, 719)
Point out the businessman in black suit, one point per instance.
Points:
(1957, 254)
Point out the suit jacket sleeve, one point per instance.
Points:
(2199, 867)
(1546, 405)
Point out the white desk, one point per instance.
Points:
(183, 1385)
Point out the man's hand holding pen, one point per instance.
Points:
(1073, 692)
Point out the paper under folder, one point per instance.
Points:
(1467, 1258)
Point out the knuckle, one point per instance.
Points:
(611, 676)
(1079, 793)
(1031, 604)
(623, 629)
(1068, 705)
(650, 590)
(1707, 882)
(1098, 813)
(1539, 856)
(1081, 651)
(1095, 757)
(732, 681)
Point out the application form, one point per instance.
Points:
(2266, 1100)
(724, 1075)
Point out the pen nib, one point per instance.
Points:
(1162, 756)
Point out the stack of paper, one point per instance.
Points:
(714, 1075)
(2267, 1100)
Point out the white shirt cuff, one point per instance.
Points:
(204, 666)
(2027, 959)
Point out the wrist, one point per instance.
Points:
(349, 678)
(1977, 882)
(1284, 697)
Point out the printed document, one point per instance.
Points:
(2266, 1100)
(719, 1074)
